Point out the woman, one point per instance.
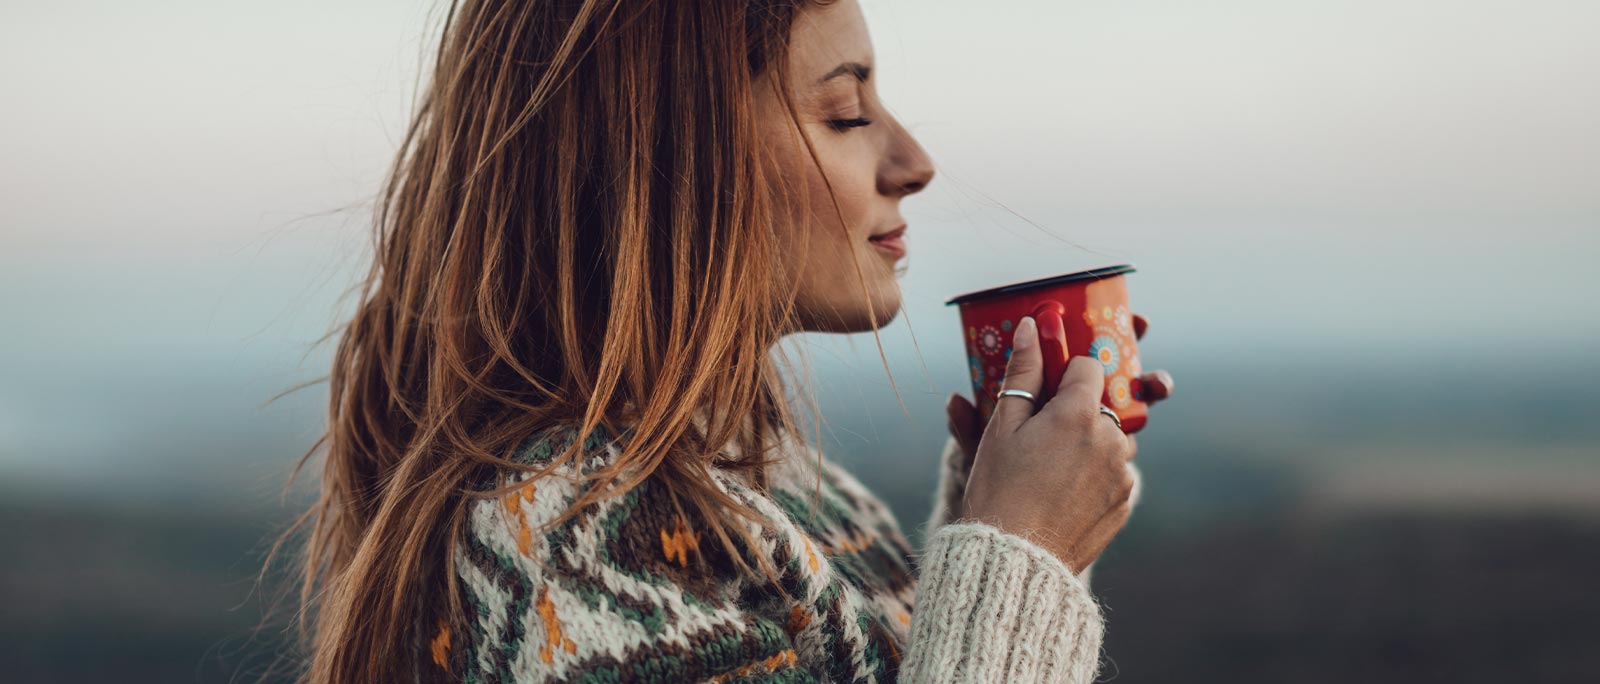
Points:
(560, 445)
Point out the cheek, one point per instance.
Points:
(807, 208)
(852, 186)
(832, 247)
(827, 253)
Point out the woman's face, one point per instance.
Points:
(870, 160)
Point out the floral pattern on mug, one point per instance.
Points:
(1124, 321)
(1121, 394)
(1104, 350)
(989, 341)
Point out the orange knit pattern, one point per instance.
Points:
(554, 639)
(680, 542)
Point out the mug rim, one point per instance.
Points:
(1099, 273)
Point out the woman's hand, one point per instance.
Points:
(1057, 473)
(963, 416)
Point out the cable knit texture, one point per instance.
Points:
(997, 608)
(633, 590)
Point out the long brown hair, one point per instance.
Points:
(576, 230)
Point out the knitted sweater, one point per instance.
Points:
(632, 591)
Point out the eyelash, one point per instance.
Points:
(844, 124)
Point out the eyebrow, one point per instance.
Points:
(857, 69)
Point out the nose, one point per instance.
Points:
(906, 169)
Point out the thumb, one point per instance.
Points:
(1024, 371)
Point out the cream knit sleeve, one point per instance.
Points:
(995, 607)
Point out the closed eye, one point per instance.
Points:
(843, 124)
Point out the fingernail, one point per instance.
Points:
(1027, 333)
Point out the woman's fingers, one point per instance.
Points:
(1024, 371)
(963, 423)
(1081, 385)
(1079, 399)
(1157, 386)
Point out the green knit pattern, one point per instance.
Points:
(632, 590)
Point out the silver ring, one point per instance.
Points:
(1025, 394)
(1113, 415)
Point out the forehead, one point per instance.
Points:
(824, 36)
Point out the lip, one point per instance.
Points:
(897, 232)
(890, 242)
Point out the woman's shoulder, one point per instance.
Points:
(807, 491)
(851, 522)
(560, 457)
(809, 469)
(549, 471)
(635, 521)
(629, 582)
(548, 444)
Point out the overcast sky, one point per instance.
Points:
(1309, 156)
(1393, 179)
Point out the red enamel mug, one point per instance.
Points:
(1093, 308)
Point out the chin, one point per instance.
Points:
(833, 302)
(886, 312)
(866, 322)
(854, 317)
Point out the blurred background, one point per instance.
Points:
(1364, 232)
